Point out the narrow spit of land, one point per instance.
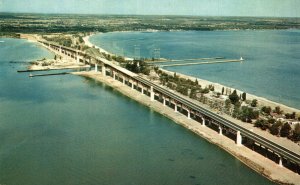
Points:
(252, 159)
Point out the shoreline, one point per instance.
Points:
(262, 101)
(253, 160)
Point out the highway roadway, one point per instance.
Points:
(280, 150)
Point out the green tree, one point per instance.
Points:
(285, 130)
(263, 124)
(196, 82)
(290, 116)
(227, 106)
(296, 133)
(234, 98)
(277, 110)
(274, 129)
(266, 110)
(244, 96)
(81, 39)
(254, 103)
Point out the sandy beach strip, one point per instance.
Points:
(87, 42)
(218, 88)
(252, 159)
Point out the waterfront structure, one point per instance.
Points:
(188, 107)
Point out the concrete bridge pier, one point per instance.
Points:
(114, 75)
(151, 94)
(60, 51)
(132, 85)
(123, 80)
(189, 114)
(280, 161)
(175, 106)
(203, 121)
(142, 89)
(96, 67)
(103, 69)
(238, 138)
(77, 57)
(164, 101)
(220, 130)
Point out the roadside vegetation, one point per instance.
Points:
(236, 105)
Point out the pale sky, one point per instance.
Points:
(278, 8)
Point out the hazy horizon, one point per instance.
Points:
(219, 8)
(92, 14)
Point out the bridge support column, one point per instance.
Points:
(238, 138)
(132, 85)
(114, 75)
(176, 107)
(203, 121)
(77, 57)
(142, 89)
(220, 130)
(164, 101)
(151, 94)
(103, 69)
(189, 114)
(60, 51)
(96, 67)
(280, 161)
(123, 79)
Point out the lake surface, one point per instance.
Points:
(271, 66)
(72, 130)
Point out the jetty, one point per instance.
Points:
(50, 69)
(183, 60)
(48, 74)
(200, 63)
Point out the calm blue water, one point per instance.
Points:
(272, 57)
(71, 130)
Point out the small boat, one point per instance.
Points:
(30, 75)
(241, 59)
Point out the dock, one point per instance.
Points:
(49, 74)
(50, 69)
(200, 63)
(183, 60)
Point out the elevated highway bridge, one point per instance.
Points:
(192, 109)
